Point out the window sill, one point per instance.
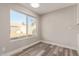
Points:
(22, 38)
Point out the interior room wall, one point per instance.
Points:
(6, 44)
(57, 27)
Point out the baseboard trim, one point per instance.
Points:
(50, 42)
(45, 41)
(19, 49)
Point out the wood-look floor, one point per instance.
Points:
(43, 49)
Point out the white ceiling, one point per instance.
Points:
(47, 7)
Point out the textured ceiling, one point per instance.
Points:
(47, 7)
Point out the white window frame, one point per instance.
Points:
(15, 38)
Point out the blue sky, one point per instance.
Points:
(18, 17)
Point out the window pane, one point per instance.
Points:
(17, 24)
(31, 26)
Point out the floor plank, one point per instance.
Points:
(44, 49)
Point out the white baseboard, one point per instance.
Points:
(19, 49)
(45, 41)
(50, 42)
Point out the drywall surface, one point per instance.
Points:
(6, 44)
(57, 27)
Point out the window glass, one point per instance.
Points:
(31, 26)
(17, 24)
(22, 25)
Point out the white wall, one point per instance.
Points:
(5, 41)
(77, 26)
(57, 27)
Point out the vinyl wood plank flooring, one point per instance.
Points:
(44, 49)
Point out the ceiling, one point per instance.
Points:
(47, 7)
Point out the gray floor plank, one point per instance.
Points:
(44, 49)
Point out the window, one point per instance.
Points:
(31, 26)
(21, 25)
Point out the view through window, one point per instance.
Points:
(21, 25)
(31, 26)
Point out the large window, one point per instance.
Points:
(31, 26)
(21, 25)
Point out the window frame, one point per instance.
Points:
(15, 38)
